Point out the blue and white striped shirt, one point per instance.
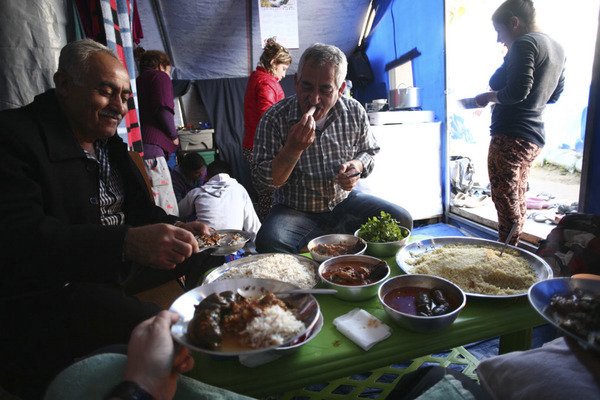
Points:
(111, 194)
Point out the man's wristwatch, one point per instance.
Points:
(128, 390)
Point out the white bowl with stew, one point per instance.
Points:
(327, 246)
(356, 277)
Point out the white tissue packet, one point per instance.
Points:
(362, 328)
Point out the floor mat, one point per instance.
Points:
(377, 384)
(438, 230)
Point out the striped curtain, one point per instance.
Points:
(117, 18)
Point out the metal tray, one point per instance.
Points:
(412, 250)
(217, 272)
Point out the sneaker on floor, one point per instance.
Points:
(472, 201)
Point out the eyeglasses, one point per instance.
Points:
(323, 90)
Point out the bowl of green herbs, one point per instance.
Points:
(384, 235)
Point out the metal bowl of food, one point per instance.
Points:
(385, 249)
(356, 278)
(570, 305)
(422, 303)
(324, 247)
(277, 320)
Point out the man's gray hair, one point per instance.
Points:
(322, 54)
(74, 57)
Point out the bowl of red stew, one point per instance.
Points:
(356, 277)
(336, 244)
(422, 303)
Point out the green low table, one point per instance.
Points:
(331, 355)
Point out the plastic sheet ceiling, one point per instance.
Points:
(212, 39)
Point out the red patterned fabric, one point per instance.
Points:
(91, 19)
(103, 24)
(136, 25)
(119, 38)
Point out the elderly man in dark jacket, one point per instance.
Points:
(76, 223)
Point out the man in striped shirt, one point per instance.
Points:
(312, 148)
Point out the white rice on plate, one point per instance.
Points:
(274, 327)
(280, 267)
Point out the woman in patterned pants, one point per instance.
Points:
(509, 162)
(531, 76)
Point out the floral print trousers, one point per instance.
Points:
(509, 162)
(162, 186)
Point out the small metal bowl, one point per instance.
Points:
(356, 245)
(385, 249)
(455, 296)
(355, 292)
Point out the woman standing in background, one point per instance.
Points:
(531, 76)
(262, 92)
(159, 135)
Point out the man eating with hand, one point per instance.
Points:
(312, 148)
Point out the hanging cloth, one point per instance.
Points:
(117, 18)
(90, 17)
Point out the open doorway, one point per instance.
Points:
(472, 56)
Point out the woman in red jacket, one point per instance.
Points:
(262, 92)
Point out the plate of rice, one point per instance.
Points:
(215, 319)
(475, 265)
(297, 270)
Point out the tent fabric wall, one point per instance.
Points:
(223, 100)
(31, 36)
(209, 39)
(404, 26)
(590, 191)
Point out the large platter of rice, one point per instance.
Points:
(297, 270)
(475, 265)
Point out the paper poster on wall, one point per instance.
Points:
(279, 18)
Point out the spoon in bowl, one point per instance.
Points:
(510, 235)
(253, 292)
(379, 271)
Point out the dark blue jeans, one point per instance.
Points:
(287, 230)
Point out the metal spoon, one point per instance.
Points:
(510, 235)
(254, 293)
